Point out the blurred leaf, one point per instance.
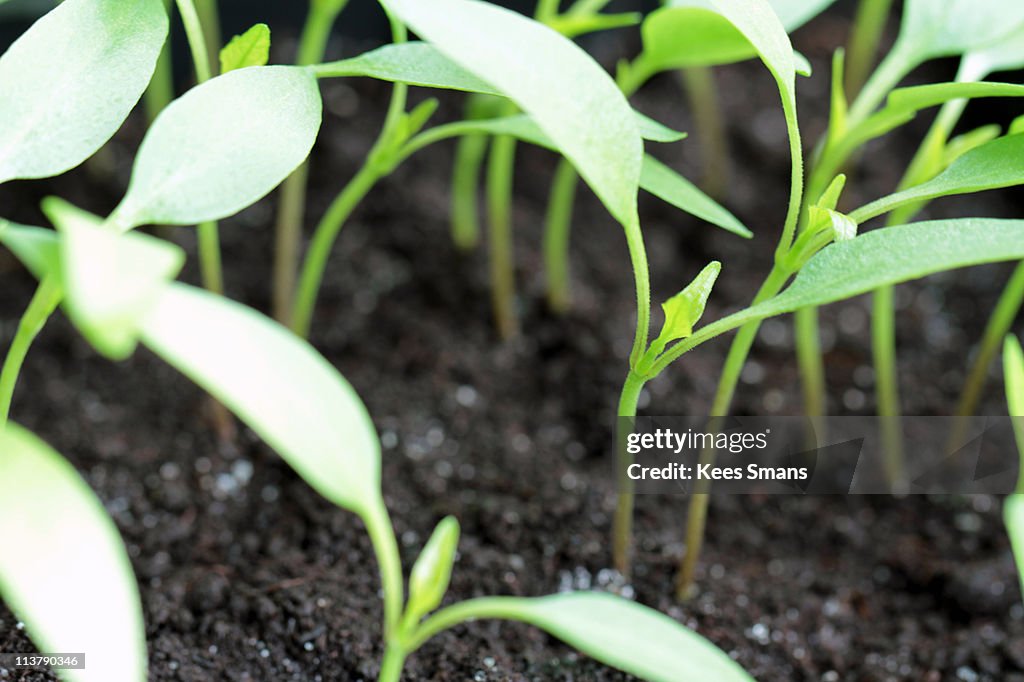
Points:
(222, 146)
(560, 86)
(70, 81)
(38, 249)
(574, 25)
(669, 186)
(432, 571)
(278, 385)
(1005, 55)
(110, 280)
(1013, 516)
(252, 48)
(628, 636)
(66, 572)
(941, 29)
(996, 164)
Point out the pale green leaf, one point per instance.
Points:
(71, 80)
(223, 146)
(673, 188)
(432, 571)
(628, 636)
(1013, 516)
(573, 100)
(413, 63)
(1005, 55)
(919, 97)
(1013, 373)
(65, 571)
(278, 385)
(933, 29)
(252, 48)
(110, 280)
(38, 249)
(892, 255)
(574, 25)
(996, 164)
(685, 309)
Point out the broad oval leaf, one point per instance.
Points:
(995, 164)
(892, 255)
(69, 579)
(110, 280)
(628, 636)
(251, 48)
(278, 385)
(72, 79)
(933, 29)
(223, 146)
(562, 88)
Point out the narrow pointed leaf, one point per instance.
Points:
(432, 571)
(628, 636)
(673, 188)
(37, 248)
(996, 164)
(71, 80)
(685, 309)
(573, 100)
(252, 48)
(277, 384)
(66, 573)
(223, 146)
(110, 280)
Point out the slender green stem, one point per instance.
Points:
(501, 608)
(894, 68)
(385, 547)
(557, 227)
(209, 19)
(998, 326)
(622, 524)
(469, 158)
(887, 391)
(292, 207)
(546, 10)
(702, 94)
(584, 7)
(323, 241)
(379, 163)
(500, 172)
(810, 361)
(391, 666)
(43, 303)
(696, 519)
(160, 92)
(209, 239)
(868, 27)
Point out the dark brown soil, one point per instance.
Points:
(246, 574)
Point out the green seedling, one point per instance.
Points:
(1013, 506)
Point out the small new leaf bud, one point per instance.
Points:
(429, 579)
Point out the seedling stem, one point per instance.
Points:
(43, 303)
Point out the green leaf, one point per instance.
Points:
(66, 572)
(222, 146)
(413, 63)
(710, 32)
(1013, 516)
(913, 99)
(560, 86)
(892, 255)
(795, 13)
(574, 25)
(71, 80)
(38, 249)
(1005, 55)
(252, 48)
(666, 184)
(941, 29)
(685, 309)
(1013, 373)
(278, 385)
(432, 571)
(110, 280)
(628, 636)
(996, 164)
